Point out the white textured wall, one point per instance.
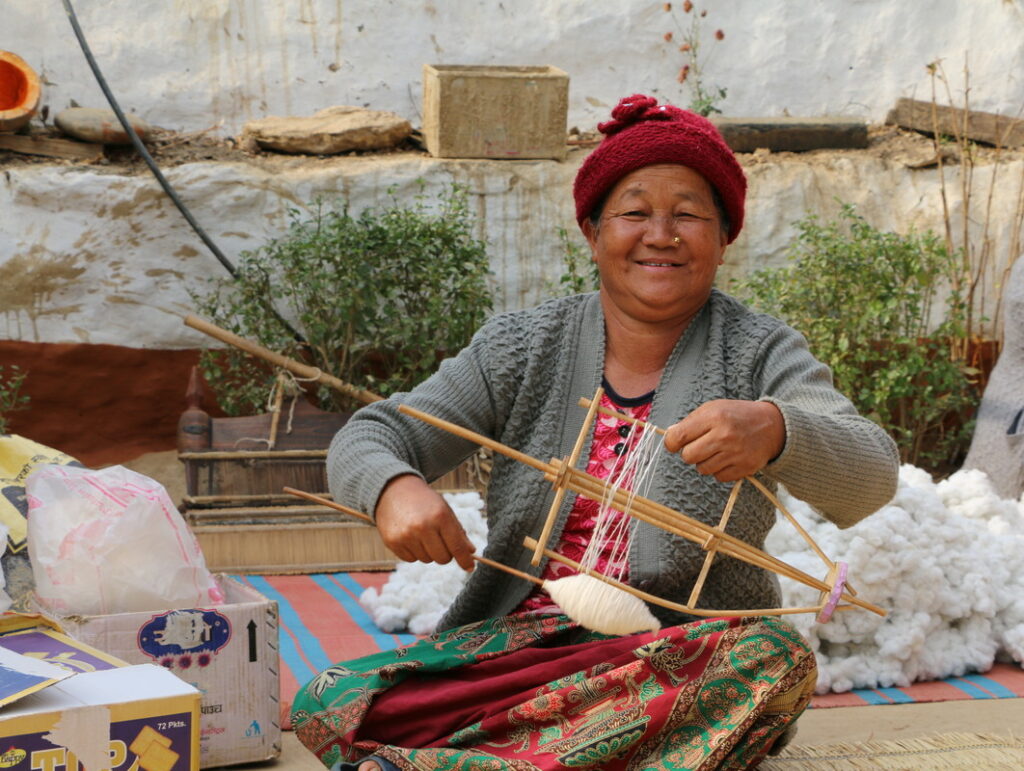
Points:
(190, 64)
(90, 256)
(87, 255)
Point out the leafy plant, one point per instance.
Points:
(580, 271)
(704, 99)
(11, 398)
(378, 299)
(883, 311)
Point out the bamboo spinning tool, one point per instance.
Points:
(835, 593)
(593, 604)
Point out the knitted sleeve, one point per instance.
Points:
(379, 443)
(842, 464)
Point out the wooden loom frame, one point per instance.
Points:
(563, 475)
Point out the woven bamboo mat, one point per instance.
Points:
(952, 750)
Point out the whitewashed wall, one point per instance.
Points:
(190, 64)
(87, 255)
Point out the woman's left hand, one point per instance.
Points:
(729, 439)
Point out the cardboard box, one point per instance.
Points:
(229, 653)
(65, 703)
(495, 112)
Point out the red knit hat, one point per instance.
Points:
(642, 133)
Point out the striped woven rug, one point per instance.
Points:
(322, 623)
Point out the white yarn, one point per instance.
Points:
(633, 472)
(600, 607)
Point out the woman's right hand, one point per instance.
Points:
(418, 525)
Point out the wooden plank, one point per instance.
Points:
(988, 127)
(298, 548)
(51, 147)
(796, 135)
(234, 501)
(266, 515)
(302, 427)
(245, 455)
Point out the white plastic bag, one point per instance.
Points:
(111, 541)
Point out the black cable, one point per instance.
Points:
(141, 148)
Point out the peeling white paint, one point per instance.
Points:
(102, 258)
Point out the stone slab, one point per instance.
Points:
(330, 131)
(495, 112)
(92, 124)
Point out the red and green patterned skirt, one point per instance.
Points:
(539, 692)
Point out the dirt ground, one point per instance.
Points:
(171, 148)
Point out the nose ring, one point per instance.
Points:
(677, 240)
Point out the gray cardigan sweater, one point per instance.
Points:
(519, 381)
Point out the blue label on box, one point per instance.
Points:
(184, 638)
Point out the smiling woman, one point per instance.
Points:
(657, 243)
(511, 682)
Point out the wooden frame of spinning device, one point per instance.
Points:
(836, 593)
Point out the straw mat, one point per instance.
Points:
(951, 750)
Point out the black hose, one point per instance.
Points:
(140, 147)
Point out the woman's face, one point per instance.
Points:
(658, 244)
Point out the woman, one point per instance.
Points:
(512, 683)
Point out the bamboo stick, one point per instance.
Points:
(530, 543)
(694, 530)
(296, 367)
(574, 457)
(792, 520)
(366, 518)
(665, 518)
(473, 436)
(275, 418)
(698, 585)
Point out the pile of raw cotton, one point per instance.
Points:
(417, 593)
(943, 560)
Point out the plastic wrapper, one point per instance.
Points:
(111, 541)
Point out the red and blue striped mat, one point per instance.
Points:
(322, 623)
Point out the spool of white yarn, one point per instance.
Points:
(598, 606)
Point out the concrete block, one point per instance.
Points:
(495, 112)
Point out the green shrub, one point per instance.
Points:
(11, 398)
(880, 310)
(378, 299)
(579, 272)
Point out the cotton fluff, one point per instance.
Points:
(417, 593)
(940, 558)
